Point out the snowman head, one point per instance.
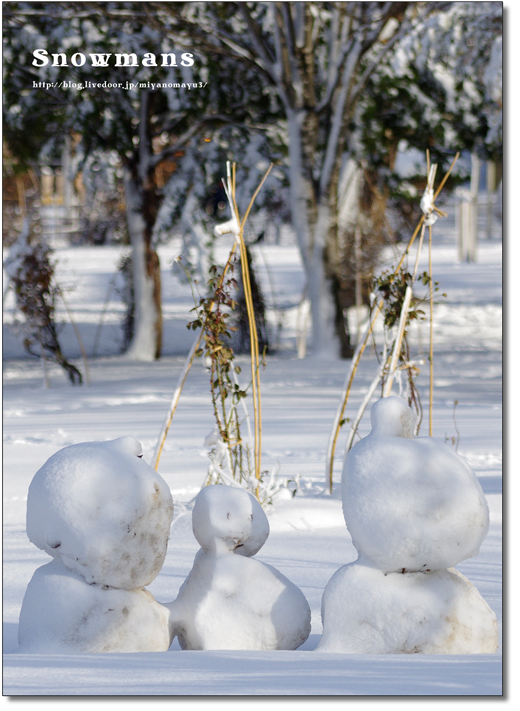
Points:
(226, 519)
(102, 510)
(391, 417)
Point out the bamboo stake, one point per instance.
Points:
(250, 312)
(230, 190)
(255, 355)
(253, 323)
(419, 247)
(366, 400)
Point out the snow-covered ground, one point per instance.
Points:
(308, 540)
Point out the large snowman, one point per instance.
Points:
(104, 516)
(230, 600)
(414, 509)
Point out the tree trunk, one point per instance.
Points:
(314, 222)
(147, 337)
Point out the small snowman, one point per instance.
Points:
(104, 516)
(414, 509)
(230, 600)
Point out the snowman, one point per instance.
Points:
(414, 509)
(230, 600)
(104, 516)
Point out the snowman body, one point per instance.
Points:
(104, 515)
(414, 509)
(62, 612)
(230, 600)
(366, 611)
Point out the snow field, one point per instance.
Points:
(308, 539)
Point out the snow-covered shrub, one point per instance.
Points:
(31, 271)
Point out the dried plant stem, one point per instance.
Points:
(244, 406)
(346, 393)
(78, 336)
(371, 390)
(182, 378)
(398, 341)
(44, 366)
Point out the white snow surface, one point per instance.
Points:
(103, 511)
(367, 612)
(231, 601)
(308, 540)
(410, 504)
(62, 613)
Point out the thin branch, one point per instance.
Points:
(262, 50)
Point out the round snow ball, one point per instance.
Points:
(103, 511)
(365, 611)
(226, 518)
(62, 613)
(410, 504)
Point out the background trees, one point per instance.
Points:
(351, 81)
(328, 91)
